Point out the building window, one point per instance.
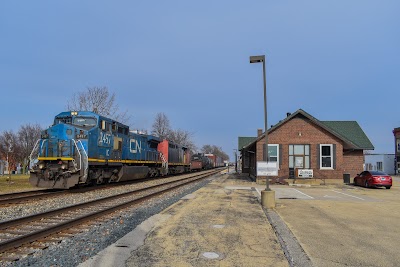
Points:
(326, 156)
(273, 153)
(398, 144)
(246, 158)
(368, 167)
(299, 156)
(379, 166)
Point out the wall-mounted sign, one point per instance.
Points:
(305, 173)
(267, 168)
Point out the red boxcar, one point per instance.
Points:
(216, 161)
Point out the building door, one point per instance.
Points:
(299, 156)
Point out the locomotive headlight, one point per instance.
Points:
(64, 166)
(42, 166)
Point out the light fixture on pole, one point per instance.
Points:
(267, 195)
(258, 59)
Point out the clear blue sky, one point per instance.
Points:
(337, 60)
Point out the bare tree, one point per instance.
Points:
(207, 149)
(27, 136)
(161, 127)
(212, 149)
(183, 138)
(100, 101)
(8, 148)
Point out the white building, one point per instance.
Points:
(380, 162)
(3, 165)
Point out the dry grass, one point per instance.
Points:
(17, 183)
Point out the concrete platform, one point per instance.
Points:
(222, 224)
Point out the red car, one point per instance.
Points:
(373, 179)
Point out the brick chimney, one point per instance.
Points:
(259, 132)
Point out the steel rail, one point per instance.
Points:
(31, 237)
(18, 197)
(22, 193)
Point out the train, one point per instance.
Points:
(84, 148)
(202, 161)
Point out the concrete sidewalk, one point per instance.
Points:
(222, 224)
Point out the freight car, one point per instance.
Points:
(200, 161)
(83, 148)
(216, 161)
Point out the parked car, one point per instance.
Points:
(373, 179)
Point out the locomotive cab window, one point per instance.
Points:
(84, 121)
(63, 120)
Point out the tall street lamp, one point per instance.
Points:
(258, 59)
(267, 196)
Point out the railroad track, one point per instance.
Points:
(24, 233)
(35, 195)
(19, 197)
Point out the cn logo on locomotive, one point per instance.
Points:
(135, 146)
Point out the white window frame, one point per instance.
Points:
(277, 153)
(379, 166)
(320, 157)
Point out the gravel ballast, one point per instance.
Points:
(74, 250)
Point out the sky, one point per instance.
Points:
(337, 60)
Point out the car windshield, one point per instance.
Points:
(377, 173)
(84, 121)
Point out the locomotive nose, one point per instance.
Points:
(60, 140)
(61, 131)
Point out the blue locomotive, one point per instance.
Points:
(83, 148)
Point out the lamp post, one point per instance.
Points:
(258, 59)
(267, 196)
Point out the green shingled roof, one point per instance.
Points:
(245, 141)
(348, 131)
(351, 131)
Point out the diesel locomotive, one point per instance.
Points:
(200, 162)
(83, 148)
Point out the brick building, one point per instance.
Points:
(396, 133)
(300, 141)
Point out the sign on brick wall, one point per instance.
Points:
(305, 173)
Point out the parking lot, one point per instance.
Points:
(344, 225)
(342, 194)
